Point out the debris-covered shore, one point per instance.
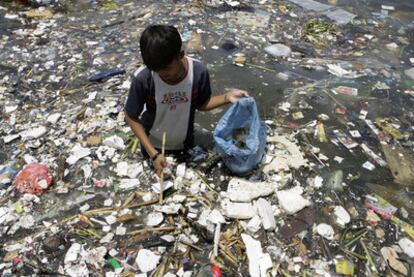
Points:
(333, 195)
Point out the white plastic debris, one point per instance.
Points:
(325, 231)
(369, 166)
(114, 142)
(216, 217)
(292, 200)
(33, 133)
(108, 202)
(288, 155)
(120, 231)
(26, 221)
(392, 46)
(87, 170)
(180, 171)
(147, 260)
(84, 208)
(154, 219)
(259, 262)
(107, 238)
(407, 246)
(127, 184)
(171, 208)
(78, 152)
(123, 169)
(95, 256)
(237, 210)
(110, 219)
(266, 214)
(77, 269)
(253, 225)
(388, 8)
(338, 159)
(240, 190)
(10, 138)
(10, 109)
(217, 233)
(278, 50)
(337, 70)
(167, 184)
(342, 216)
(318, 182)
(73, 252)
(53, 118)
(3, 214)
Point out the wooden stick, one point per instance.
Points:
(164, 137)
(155, 229)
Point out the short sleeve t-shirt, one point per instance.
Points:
(161, 107)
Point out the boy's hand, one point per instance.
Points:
(235, 94)
(159, 164)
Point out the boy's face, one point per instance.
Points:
(174, 72)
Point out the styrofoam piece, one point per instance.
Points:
(266, 214)
(78, 152)
(259, 262)
(147, 260)
(72, 253)
(127, 184)
(33, 133)
(123, 169)
(407, 246)
(114, 142)
(289, 157)
(237, 210)
(53, 118)
(241, 190)
(342, 216)
(154, 219)
(325, 231)
(167, 184)
(292, 200)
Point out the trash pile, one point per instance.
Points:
(332, 195)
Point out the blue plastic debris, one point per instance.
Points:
(7, 174)
(106, 74)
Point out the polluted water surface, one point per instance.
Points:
(333, 81)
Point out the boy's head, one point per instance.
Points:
(160, 46)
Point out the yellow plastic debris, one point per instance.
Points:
(321, 133)
(405, 227)
(345, 267)
(387, 127)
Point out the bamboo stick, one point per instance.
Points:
(164, 137)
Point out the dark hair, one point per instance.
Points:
(159, 45)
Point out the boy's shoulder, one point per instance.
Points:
(142, 73)
(198, 67)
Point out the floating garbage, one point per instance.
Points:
(106, 74)
(324, 190)
(34, 179)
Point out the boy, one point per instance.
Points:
(172, 86)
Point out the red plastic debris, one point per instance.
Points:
(216, 271)
(340, 110)
(17, 261)
(34, 179)
(99, 184)
(292, 125)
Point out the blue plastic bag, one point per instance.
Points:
(106, 74)
(241, 116)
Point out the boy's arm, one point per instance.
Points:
(139, 131)
(230, 97)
